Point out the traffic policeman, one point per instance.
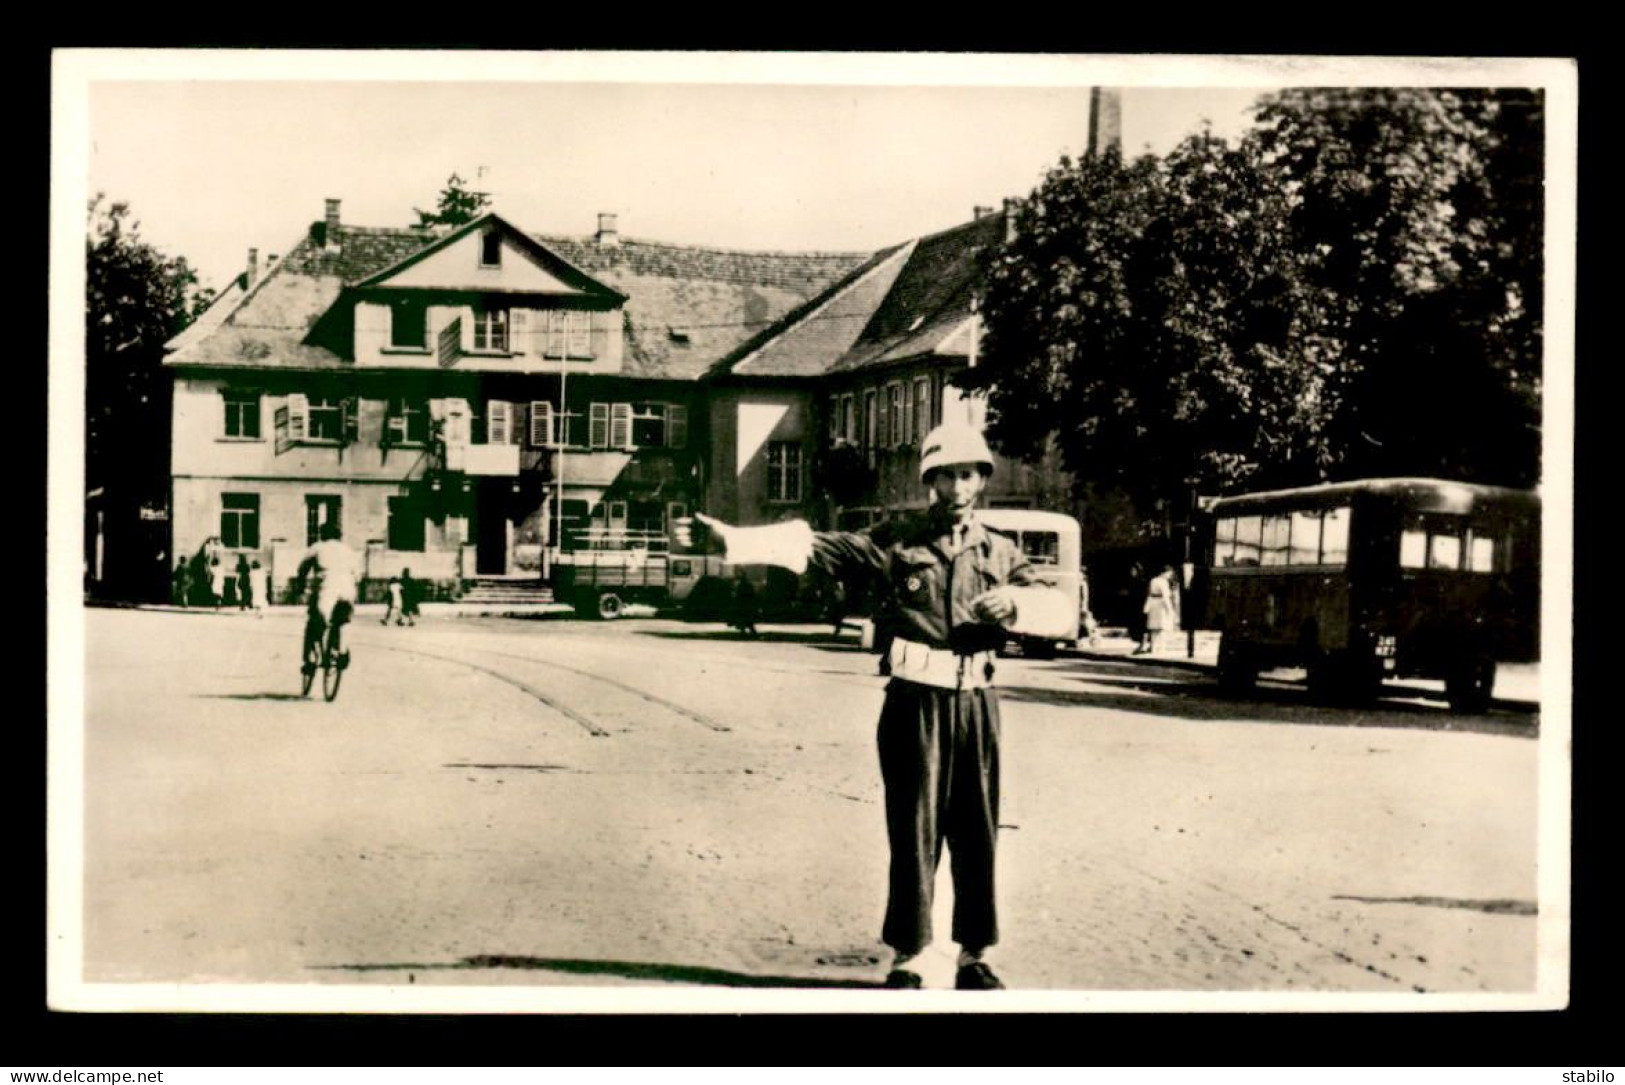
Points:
(949, 590)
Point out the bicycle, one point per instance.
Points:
(330, 663)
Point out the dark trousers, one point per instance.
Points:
(939, 760)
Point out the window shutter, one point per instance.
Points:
(882, 420)
(598, 425)
(395, 426)
(496, 422)
(350, 414)
(580, 336)
(677, 426)
(298, 411)
(519, 331)
(466, 329)
(541, 424)
(620, 425)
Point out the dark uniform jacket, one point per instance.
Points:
(925, 589)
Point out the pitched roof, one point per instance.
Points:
(802, 343)
(931, 302)
(907, 301)
(686, 307)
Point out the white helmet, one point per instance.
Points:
(954, 442)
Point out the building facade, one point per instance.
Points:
(463, 403)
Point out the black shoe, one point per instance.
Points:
(977, 976)
(901, 979)
(343, 660)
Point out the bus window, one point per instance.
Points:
(1275, 539)
(1481, 554)
(1224, 541)
(1305, 545)
(1041, 547)
(1413, 549)
(1248, 533)
(1334, 537)
(1445, 552)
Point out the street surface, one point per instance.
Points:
(496, 801)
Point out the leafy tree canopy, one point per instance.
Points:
(1353, 289)
(137, 298)
(458, 204)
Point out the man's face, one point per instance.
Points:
(957, 487)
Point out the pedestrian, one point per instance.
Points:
(1086, 617)
(245, 591)
(397, 603)
(410, 594)
(217, 582)
(948, 589)
(1159, 609)
(744, 604)
(259, 588)
(180, 584)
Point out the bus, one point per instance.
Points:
(1359, 581)
(1052, 542)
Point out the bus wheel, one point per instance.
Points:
(1470, 685)
(1238, 670)
(610, 606)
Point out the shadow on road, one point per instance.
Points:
(767, 636)
(1190, 697)
(252, 697)
(633, 970)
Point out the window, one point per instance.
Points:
(1305, 543)
(242, 413)
(491, 249)
(568, 334)
(491, 329)
(407, 422)
(1249, 532)
(240, 521)
(894, 413)
(834, 420)
(405, 524)
(1334, 537)
(922, 409)
(321, 510)
(408, 324)
(1445, 552)
(1481, 554)
(1224, 541)
(1275, 539)
(849, 419)
(1413, 549)
(1041, 547)
(325, 418)
(871, 421)
(1425, 546)
(659, 425)
(783, 471)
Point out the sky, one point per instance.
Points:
(215, 165)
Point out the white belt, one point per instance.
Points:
(915, 662)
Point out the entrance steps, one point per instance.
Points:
(504, 591)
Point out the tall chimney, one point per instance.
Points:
(1105, 121)
(330, 237)
(253, 267)
(1011, 205)
(607, 232)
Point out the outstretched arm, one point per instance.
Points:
(791, 545)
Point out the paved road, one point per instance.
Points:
(496, 802)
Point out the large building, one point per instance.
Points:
(464, 402)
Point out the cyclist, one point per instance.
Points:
(335, 567)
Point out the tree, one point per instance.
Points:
(458, 204)
(1422, 209)
(1154, 317)
(137, 298)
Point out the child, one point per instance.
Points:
(397, 603)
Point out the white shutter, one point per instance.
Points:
(676, 426)
(298, 412)
(496, 422)
(541, 424)
(598, 425)
(519, 331)
(620, 425)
